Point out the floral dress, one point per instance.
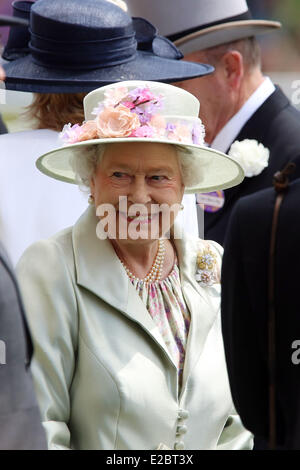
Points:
(165, 303)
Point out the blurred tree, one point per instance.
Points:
(289, 13)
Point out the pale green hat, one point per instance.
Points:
(144, 111)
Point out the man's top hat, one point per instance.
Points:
(199, 24)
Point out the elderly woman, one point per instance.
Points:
(123, 308)
(42, 59)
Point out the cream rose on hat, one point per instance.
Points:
(251, 155)
(116, 122)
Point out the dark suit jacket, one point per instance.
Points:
(276, 124)
(20, 423)
(3, 129)
(245, 307)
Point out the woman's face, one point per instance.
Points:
(147, 177)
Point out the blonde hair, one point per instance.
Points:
(54, 110)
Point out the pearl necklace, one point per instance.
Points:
(156, 270)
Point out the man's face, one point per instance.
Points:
(210, 91)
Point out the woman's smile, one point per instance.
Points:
(139, 218)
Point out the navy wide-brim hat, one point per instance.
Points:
(77, 46)
(12, 21)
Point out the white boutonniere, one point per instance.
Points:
(251, 155)
(207, 268)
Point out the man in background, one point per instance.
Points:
(238, 103)
(260, 313)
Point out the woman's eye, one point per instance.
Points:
(118, 174)
(158, 178)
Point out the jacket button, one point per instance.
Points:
(181, 429)
(179, 445)
(183, 414)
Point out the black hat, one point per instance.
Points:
(77, 46)
(12, 21)
(18, 39)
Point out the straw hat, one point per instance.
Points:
(144, 111)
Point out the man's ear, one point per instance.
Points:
(233, 66)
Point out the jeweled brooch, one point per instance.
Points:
(206, 273)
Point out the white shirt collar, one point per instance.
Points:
(232, 128)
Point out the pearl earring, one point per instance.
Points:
(91, 199)
(181, 207)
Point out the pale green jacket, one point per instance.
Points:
(103, 375)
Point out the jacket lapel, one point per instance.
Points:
(99, 270)
(202, 305)
(257, 127)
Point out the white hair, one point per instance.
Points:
(85, 162)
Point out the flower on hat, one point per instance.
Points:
(133, 113)
(88, 131)
(181, 133)
(207, 269)
(115, 95)
(198, 133)
(70, 134)
(142, 95)
(251, 155)
(116, 122)
(158, 124)
(143, 131)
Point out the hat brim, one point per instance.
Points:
(219, 170)
(24, 75)
(224, 33)
(12, 21)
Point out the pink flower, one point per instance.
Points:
(128, 104)
(143, 131)
(115, 95)
(141, 95)
(88, 131)
(70, 134)
(116, 122)
(181, 133)
(158, 123)
(146, 95)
